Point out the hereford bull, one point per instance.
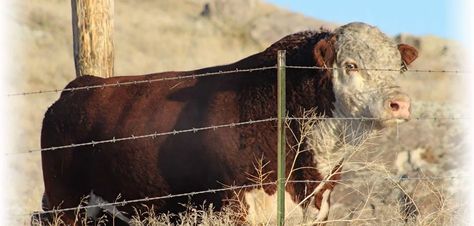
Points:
(213, 159)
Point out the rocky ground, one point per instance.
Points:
(167, 35)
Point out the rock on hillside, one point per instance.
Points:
(264, 22)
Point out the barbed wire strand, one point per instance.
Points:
(151, 135)
(373, 118)
(146, 199)
(227, 188)
(382, 69)
(138, 82)
(198, 129)
(194, 76)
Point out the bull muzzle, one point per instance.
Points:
(398, 107)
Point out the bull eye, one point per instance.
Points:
(351, 67)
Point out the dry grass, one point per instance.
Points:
(147, 216)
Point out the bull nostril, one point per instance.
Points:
(394, 106)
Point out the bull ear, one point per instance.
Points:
(408, 53)
(324, 53)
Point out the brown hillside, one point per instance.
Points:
(152, 36)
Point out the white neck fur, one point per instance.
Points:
(336, 139)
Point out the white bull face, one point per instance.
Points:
(361, 86)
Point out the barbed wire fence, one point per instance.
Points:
(156, 134)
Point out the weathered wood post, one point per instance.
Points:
(281, 89)
(92, 29)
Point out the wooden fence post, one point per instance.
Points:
(92, 28)
(281, 89)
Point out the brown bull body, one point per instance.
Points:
(186, 162)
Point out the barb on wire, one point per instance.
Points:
(383, 69)
(227, 188)
(151, 135)
(137, 82)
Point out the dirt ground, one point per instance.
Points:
(159, 36)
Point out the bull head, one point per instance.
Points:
(362, 64)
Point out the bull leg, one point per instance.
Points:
(323, 213)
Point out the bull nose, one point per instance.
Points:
(399, 108)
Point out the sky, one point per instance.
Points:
(418, 17)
